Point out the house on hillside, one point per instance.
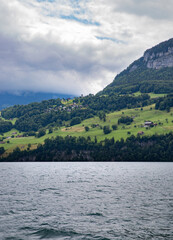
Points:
(148, 124)
(19, 136)
(140, 133)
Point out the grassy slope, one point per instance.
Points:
(112, 118)
(152, 95)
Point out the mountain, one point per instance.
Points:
(85, 121)
(10, 99)
(153, 72)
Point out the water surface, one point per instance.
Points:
(88, 201)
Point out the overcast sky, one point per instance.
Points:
(76, 46)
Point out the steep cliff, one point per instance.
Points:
(159, 60)
(160, 56)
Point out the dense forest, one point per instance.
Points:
(142, 79)
(153, 148)
(5, 126)
(165, 103)
(35, 116)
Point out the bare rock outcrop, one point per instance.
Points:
(160, 59)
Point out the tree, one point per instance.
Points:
(106, 130)
(5, 126)
(114, 127)
(102, 116)
(75, 120)
(95, 139)
(29, 146)
(2, 150)
(50, 130)
(41, 133)
(87, 128)
(125, 120)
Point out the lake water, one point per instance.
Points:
(88, 201)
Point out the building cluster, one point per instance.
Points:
(9, 137)
(67, 108)
(146, 125)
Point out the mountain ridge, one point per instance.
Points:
(153, 72)
(23, 98)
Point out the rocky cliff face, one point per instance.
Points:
(160, 59)
(159, 56)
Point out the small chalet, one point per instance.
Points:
(141, 133)
(148, 124)
(19, 136)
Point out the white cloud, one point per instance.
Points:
(75, 46)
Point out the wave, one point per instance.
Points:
(95, 214)
(48, 189)
(53, 233)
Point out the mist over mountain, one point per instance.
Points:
(153, 72)
(10, 99)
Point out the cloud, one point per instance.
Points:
(75, 46)
(155, 9)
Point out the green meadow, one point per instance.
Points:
(163, 119)
(152, 95)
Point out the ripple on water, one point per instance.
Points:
(97, 214)
(86, 201)
(53, 233)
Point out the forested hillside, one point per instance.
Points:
(131, 119)
(34, 116)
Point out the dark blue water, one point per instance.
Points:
(86, 201)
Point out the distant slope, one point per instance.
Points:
(151, 73)
(9, 99)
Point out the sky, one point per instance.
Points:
(76, 46)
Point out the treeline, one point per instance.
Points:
(161, 47)
(146, 148)
(31, 109)
(115, 102)
(35, 122)
(165, 103)
(2, 150)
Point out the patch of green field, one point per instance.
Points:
(148, 114)
(152, 95)
(12, 120)
(67, 102)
